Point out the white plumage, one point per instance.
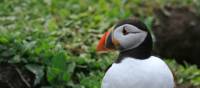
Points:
(136, 73)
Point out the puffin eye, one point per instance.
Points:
(124, 31)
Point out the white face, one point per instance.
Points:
(129, 36)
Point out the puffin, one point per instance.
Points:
(135, 66)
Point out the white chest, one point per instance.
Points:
(133, 73)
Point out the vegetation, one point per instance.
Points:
(56, 39)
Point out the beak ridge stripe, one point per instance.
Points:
(109, 43)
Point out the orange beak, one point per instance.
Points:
(106, 43)
(102, 42)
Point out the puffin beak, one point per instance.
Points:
(106, 43)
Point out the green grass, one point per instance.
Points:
(60, 37)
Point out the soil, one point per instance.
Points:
(177, 31)
(12, 76)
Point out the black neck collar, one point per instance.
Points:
(141, 52)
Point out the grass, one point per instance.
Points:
(60, 37)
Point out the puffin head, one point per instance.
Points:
(127, 36)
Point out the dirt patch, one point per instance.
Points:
(13, 77)
(177, 31)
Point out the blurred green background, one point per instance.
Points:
(56, 39)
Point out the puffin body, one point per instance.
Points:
(134, 67)
(134, 73)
